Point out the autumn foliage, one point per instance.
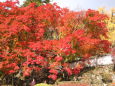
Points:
(50, 37)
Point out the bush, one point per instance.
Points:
(48, 37)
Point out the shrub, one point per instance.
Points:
(48, 37)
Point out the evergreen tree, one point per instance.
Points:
(38, 2)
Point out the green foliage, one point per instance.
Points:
(42, 84)
(38, 2)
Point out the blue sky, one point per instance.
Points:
(83, 4)
(86, 4)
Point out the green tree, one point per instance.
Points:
(38, 2)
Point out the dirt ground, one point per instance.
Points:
(95, 76)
